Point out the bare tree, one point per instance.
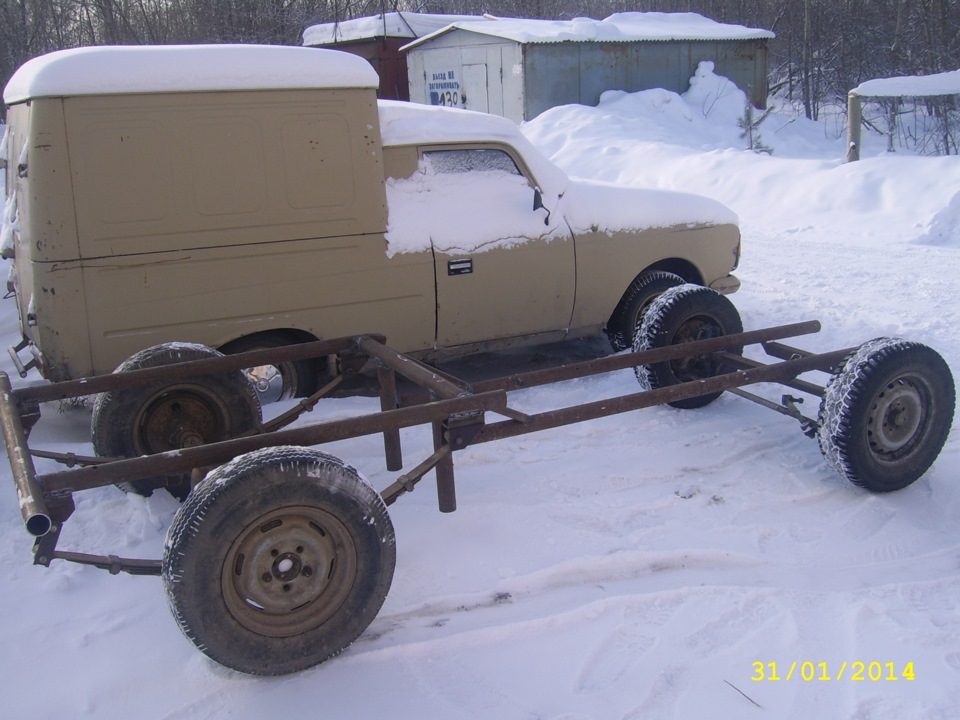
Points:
(822, 49)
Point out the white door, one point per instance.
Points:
(475, 87)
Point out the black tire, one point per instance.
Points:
(634, 303)
(157, 418)
(679, 315)
(886, 414)
(297, 378)
(278, 560)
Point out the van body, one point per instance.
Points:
(209, 194)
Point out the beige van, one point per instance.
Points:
(243, 197)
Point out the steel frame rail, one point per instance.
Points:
(456, 410)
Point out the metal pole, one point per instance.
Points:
(648, 398)
(392, 451)
(36, 517)
(176, 461)
(424, 376)
(446, 487)
(854, 114)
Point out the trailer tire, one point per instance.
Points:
(679, 315)
(629, 314)
(278, 560)
(296, 378)
(170, 416)
(886, 414)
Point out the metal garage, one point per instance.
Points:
(519, 68)
(378, 39)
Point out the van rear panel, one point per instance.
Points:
(178, 171)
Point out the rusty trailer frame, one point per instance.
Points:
(457, 411)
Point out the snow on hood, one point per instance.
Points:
(185, 68)
(597, 206)
(443, 211)
(403, 123)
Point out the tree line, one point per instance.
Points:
(823, 48)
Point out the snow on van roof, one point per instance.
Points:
(620, 27)
(107, 70)
(391, 24)
(947, 83)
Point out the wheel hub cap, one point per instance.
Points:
(896, 417)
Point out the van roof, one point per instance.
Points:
(108, 70)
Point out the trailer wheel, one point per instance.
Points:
(278, 560)
(629, 313)
(886, 414)
(171, 416)
(679, 315)
(282, 381)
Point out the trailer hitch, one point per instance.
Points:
(788, 406)
(808, 426)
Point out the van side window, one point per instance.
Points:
(443, 162)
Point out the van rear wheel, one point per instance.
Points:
(171, 416)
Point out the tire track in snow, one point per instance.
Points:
(577, 588)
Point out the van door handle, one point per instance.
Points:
(460, 267)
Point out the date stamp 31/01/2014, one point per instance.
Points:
(822, 671)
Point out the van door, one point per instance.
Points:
(504, 269)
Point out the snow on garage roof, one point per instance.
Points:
(392, 24)
(947, 83)
(620, 27)
(185, 68)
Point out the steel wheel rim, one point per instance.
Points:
(288, 571)
(697, 367)
(897, 420)
(178, 418)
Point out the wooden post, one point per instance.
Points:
(892, 124)
(854, 110)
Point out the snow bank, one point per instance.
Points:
(692, 142)
(944, 226)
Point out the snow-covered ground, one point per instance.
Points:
(651, 565)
